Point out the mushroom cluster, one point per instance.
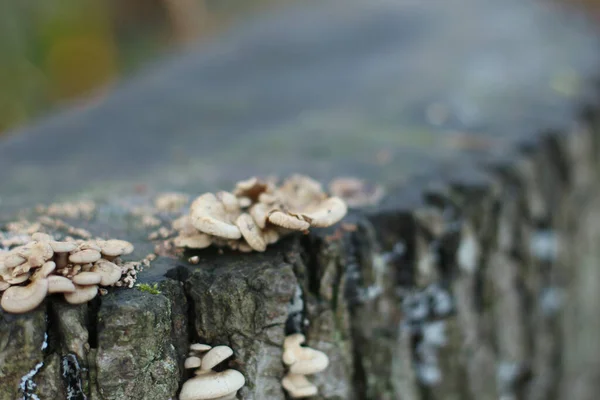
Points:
(28, 273)
(209, 384)
(257, 214)
(301, 361)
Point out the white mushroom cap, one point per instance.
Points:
(85, 256)
(3, 285)
(212, 385)
(21, 299)
(15, 280)
(251, 232)
(196, 241)
(309, 361)
(110, 273)
(47, 269)
(40, 252)
(82, 294)
(62, 247)
(184, 225)
(87, 278)
(260, 213)
(12, 260)
(41, 237)
(327, 213)
(287, 221)
(192, 362)
(115, 248)
(210, 216)
(60, 284)
(88, 245)
(200, 347)
(215, 356)
(298, 386)
(229, 201)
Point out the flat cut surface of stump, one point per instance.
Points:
(416, 96)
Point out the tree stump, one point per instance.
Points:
(474, 278)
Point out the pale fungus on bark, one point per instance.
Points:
(210, 216)
(192, 362)
(257, 213)
(60, 284)
(356, 192)
(301, 361)
(82, 294)
(85, 256)
(208, 384)
(21, 299)
(71, 267)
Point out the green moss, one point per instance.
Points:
(144, 287)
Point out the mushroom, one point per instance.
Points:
(298, 386)
(60, 284)
(326, 213)
(301, 361)
(85, 256)
(288, 221)
(115, 248)
(13, 260)
(21, 299)
(82, 294)
(192, 362)
(3, 285)
(110, 273)
(208, 384)
(210, 216)
(251, 232)
(356, 192)
(87, 278)
(196, 241)
(213, 386)
(200, 347)
(215, 356)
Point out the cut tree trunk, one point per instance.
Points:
(476, 277)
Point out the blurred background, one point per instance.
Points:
(54, 53)
(57, 52)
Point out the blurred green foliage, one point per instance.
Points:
(57, 51)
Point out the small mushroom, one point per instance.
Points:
(62, 247)
(229, 201)
(210, 216)
(327, 213)
(85, 256)
(41, 237)
(15, 280)
(303, 360)
(60, 284)
(46, 269)
(196, 241)
(251, 232)
(13, 260)
(3, 285)
(192, 362)
(115, 248)
(213, 385)
(40, 253)
(82, 294)
(110, 273)
(200, 347)
(215, 356)
(21, 299)
(87, 278)
(288, 221)
(298, 386)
